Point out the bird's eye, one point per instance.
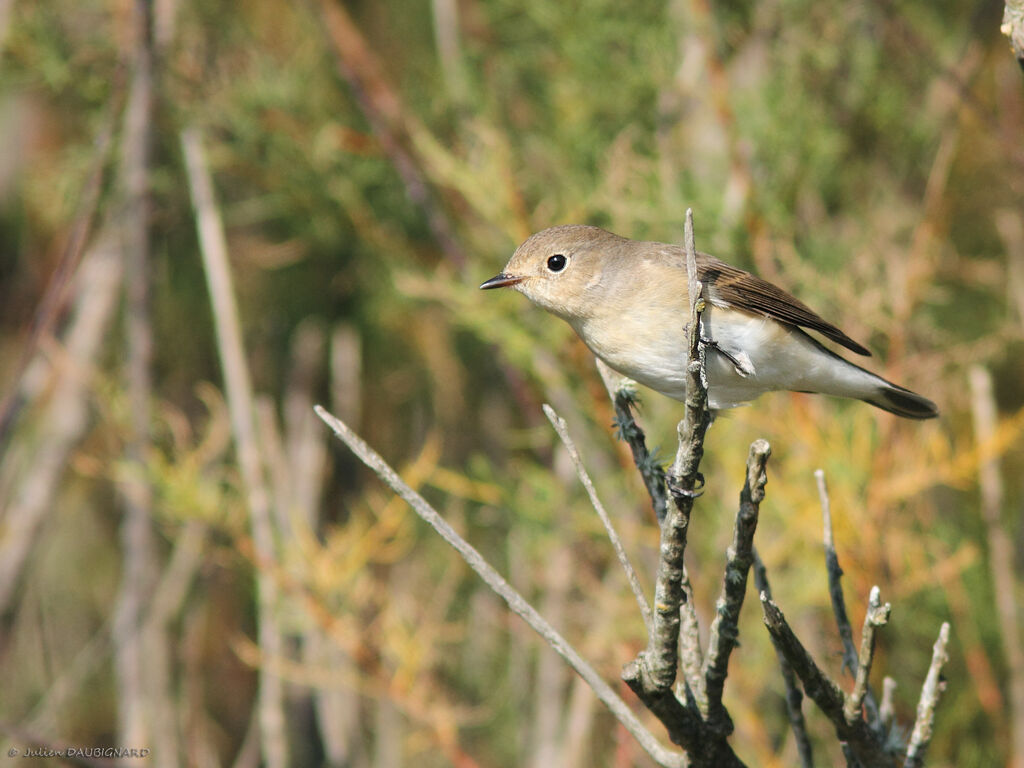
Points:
(557, 262)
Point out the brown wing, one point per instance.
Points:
(749, 292)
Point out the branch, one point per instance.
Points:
(1013, 27)
(697, 418)
(930, 692)
(865, 740)
(623, 396)
(239, 394)
(691, 658)
(380, 103)
(64, 418)
(877, 616)
(624, 400)
(725, 628)
(654, 669)
(634, 582)
(137, 662)
(56, 295)
(1000, 547)
(835, 590)
(886, 707)
(794, 697)
(503, 589)
(859, 737)
(835, 573)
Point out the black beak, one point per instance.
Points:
(501, 280)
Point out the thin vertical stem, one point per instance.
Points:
(136, 705)
(930, 693)
(1000, 559)
(238, 386)
(794, 697)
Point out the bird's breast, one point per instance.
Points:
(643, 345)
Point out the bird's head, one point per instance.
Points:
(561, 269)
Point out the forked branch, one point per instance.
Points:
(652, 673)
(503, 589)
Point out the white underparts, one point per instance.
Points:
(747, 355)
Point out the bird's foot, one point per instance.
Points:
(678, 492)
(740, 360)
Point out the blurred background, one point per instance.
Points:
(190, 564)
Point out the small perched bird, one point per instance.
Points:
(629, 302)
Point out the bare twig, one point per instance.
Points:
(862, 741)
(449, 52)
(885, 707)
(346, 354)
(794, 697)
(388, 729)
(930, 692)
(1000, 547)
(835, 573)
(166, 603)
(686, 480)
(691, 657)
(503, 589)
(66, 415)
(168, 597)
(634, 582)
(1013, 27)
(248, 755)
(876, 616)
(579, 726)
(623, 396)
(654, 670)
(138, 700)
(1010, 225)
(305, 442)
(379, 101)
(725, 628)
(835, 590)
(238, 387)
(55, 296)
(550, 674)
(338, 707)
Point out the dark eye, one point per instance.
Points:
(557, 262)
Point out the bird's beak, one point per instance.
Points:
(501, 280)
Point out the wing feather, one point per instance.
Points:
(748, 292)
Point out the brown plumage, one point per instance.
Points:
(749, 292)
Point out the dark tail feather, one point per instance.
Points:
(902, 402)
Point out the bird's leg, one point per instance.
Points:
(740, 361)
(679, 492)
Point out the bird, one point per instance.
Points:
(628, 301)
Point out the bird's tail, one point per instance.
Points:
(846, 379)
(901, 401)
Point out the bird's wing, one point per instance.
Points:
(748, 292)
